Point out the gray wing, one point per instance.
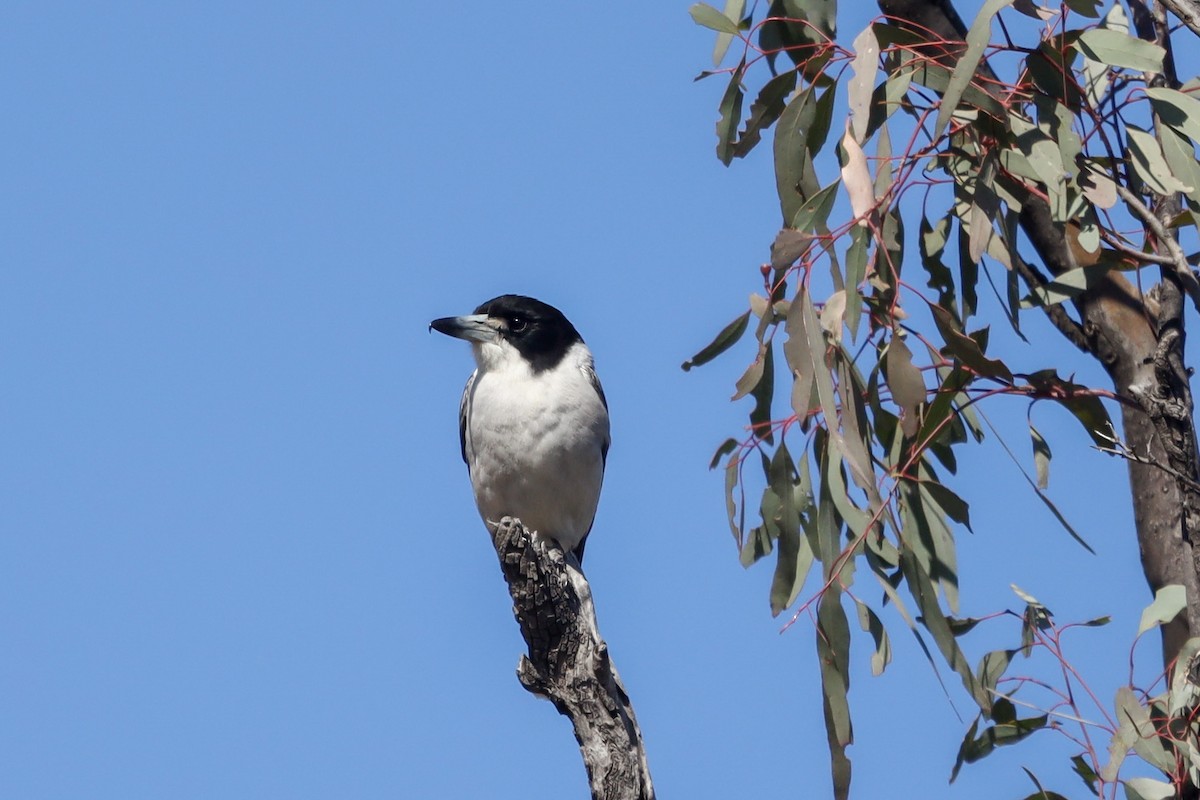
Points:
(594, 379)
(463, 411)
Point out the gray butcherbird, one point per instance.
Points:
(533, 422)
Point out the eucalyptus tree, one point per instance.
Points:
(1047, 151)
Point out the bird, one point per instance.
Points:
(533, 421)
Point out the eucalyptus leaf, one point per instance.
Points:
(1148, 789)
(1146, 157)
(733, 11)
(861, 87)
(727, 338)
(730, 110)
(1041, 457)
(1120, 50)
(753, 374)
(906, 383)
(965, 70)
(1180, 111)
(764, 392)
(869, 621)
(764, 111)
(709, 17)
(833, 653)
(1168, 602)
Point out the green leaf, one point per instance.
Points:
(800, 134)
(757, 545)
(753, 374)
(833, 652)
(870, 623)
(1180, 111)
(939, 413)
(931, 243)
(965, 70)
(733, 470)
(708, 17)
(856, 431)
(1041, 457)
(727, 447)
(921, 587)
(1168, 602)
(961, 626)
(1180, 155)
(1050, 67)
(766, 108)
(925, 530)
(1119, 746)
(829, 525)
(856, 270)
(1120, 50)
(1059, 516)
(1085, 772)
(726, 339)
(974, 748)
(855, 518)
(984, 206)
(764, 391)
(968, 272)
(936, 77)
(1088, 8)
(1148, 789)
(907, 384)
(1135, 730)
(822, 374)
(1083, 405)
(954, 506)
(966, 349)
(1146, 157)
(795, 351)
(821, 14)
(815, 212)
(862, 85)
(1041, 793)
(795, 556)
(886, 99)
(796, 27)
(733, 11)
(788, 246)
(993, 666)
(730, 112)
(1068, 285)
(1025, 596)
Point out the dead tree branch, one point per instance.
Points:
(568, 662)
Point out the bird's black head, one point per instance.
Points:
(536, 330)
(539, 331)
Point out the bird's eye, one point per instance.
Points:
(517, 325)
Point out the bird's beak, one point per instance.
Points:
(473, 328)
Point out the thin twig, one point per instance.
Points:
(1178, 257)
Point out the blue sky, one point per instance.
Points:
(241, 558)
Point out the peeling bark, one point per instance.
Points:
(568, 662)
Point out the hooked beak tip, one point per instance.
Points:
(474, 328)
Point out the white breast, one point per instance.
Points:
(535, 442)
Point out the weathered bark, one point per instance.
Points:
(568, 662)
(1139, 342)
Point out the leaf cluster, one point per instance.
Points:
(887, 366)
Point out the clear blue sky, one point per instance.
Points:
(240, 557)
